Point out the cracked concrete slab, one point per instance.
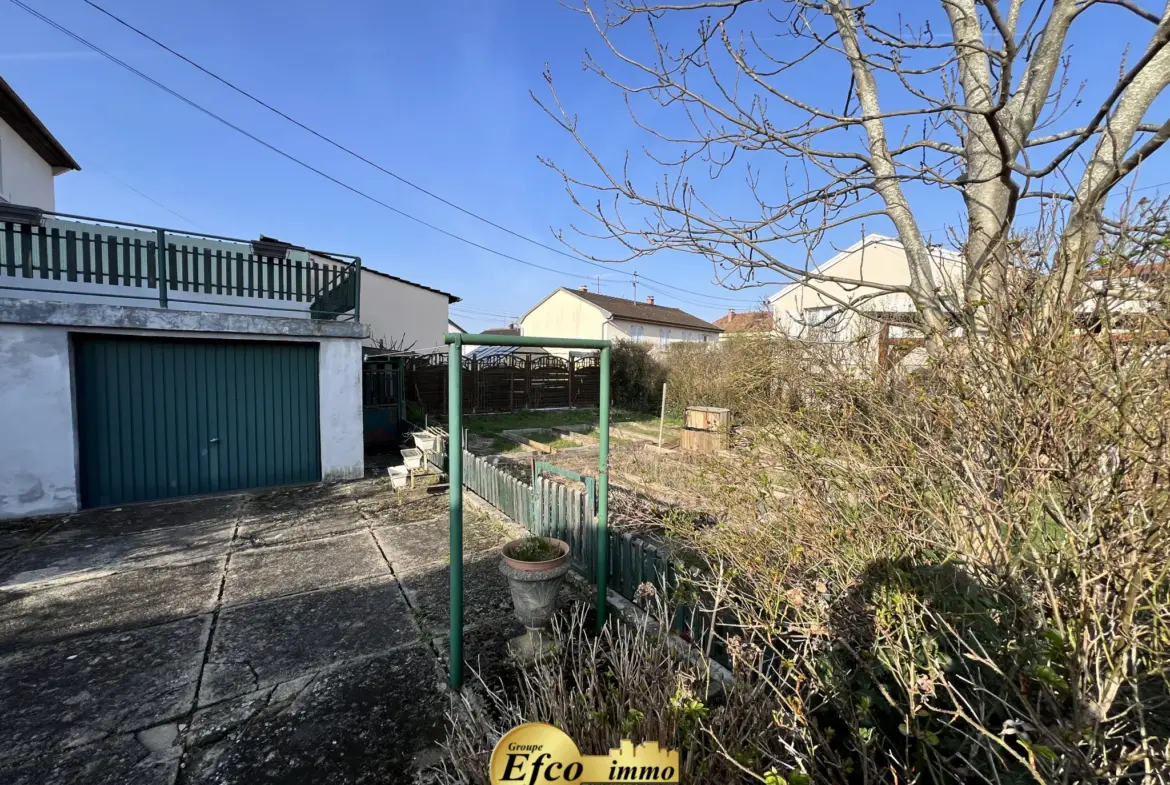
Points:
(300, 524)
(421, 546)
(277, 571)
(485, 593)
(55, 559)
(262, 644)
(68, 694)
(118, 760)
(112, 522)
(35, 614)
(416, 505)
(360, 722)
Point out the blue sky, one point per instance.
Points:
(435, 91)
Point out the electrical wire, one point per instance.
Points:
(281, 152)
(328, 140)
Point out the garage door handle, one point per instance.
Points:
(215, 440)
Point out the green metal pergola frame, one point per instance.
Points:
(456, 342)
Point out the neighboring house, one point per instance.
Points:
(402, 314)
(752, 323)
(837, 313)
(235, 364)
(579, 313)
(30, 157)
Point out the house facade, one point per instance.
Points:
(403, 315)
(579, 313)
(30, 156)
(142, 363)
(844, 313)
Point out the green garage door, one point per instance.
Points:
(162, 418)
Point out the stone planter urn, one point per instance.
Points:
(535, 568)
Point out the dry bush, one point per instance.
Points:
(631, 682)
(952, 575)
(969, 582)
(636, 377)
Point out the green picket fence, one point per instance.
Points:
(553, 509)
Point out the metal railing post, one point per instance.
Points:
(455, 475)
(603, 493)
(357, 289)
(161, 260)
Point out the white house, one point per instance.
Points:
(833, 312)
(30, 157)
(131, 375)
(579, 313)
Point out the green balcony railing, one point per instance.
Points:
(56, 255)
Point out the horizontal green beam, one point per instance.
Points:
(481, 339)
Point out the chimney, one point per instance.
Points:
(583, 288)
(731, 312)
(650, 300)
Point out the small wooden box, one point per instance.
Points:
(708, 418)
(692, 440)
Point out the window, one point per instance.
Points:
(705, 336)
(821, 323)
(637, 331)
(686, 336)
(663, 337)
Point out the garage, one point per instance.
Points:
(162, 417)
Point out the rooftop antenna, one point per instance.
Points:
(635, 284)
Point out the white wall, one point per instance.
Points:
(25, 178)
(563, 315)
(38, 450)
(404, 316)
(651, 334)
(342, 434)
(876, 260)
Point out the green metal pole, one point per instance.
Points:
(455, 473)
(603, 495)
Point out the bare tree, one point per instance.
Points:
(982, 107)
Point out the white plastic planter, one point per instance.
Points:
(398, 476)
(427, 442)
(412, 458)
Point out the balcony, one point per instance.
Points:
(72, 258)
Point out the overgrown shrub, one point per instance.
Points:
(636, 377)
(959, 574)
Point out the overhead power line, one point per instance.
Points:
(349, 151)
(279, 151)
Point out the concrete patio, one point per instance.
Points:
(289, 636)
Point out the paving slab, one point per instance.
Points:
(107, 522)
(362, 722)
(265, 643)
(416, 505)
(420, 546)
(486, 598)
(281, 570)
(298, 524)
(118, 760)
(39, 613)
(68, 694)
(53, 558)
(22, 532)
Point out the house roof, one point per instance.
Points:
(634, 311)
(502, 331)
(16, 113)
(749, 322)
(869, 239)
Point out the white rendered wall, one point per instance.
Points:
(38, 450)
(25, 178)
(342, 435)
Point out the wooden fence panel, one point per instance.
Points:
(506, 383)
